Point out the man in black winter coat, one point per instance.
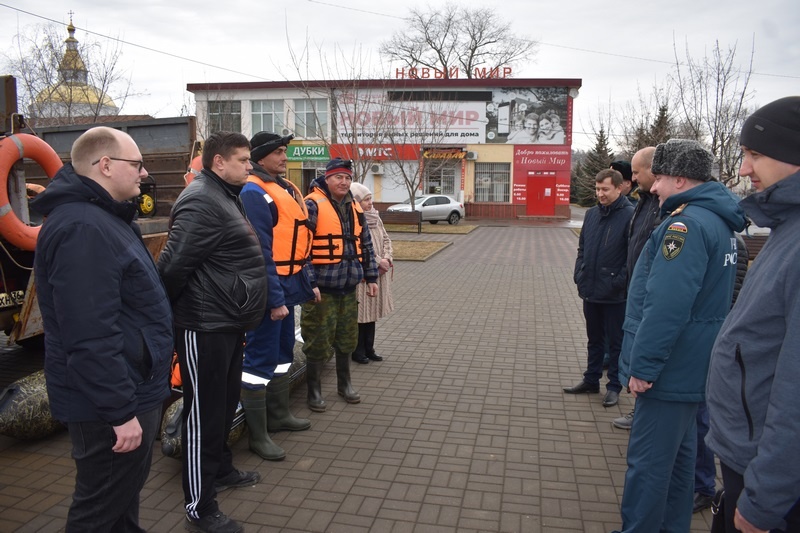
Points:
(646, 218)
(107, 324)
(601, 276)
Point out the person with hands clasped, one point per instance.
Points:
(370, 310)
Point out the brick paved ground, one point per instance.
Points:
(463, 427)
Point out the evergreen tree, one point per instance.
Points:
(598, 158)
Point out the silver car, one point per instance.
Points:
(434, 207)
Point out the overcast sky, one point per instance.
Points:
(616, 48)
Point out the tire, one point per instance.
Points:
(453, 218)
(434, 221)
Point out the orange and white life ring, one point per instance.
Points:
(12, 149)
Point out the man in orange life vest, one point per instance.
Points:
(276, 209)
(341, 256)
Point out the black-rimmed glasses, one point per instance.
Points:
(139, 162)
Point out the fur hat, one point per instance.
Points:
(359, 191)
(624, 168)
(264, 143)
(339, 166)
(685, 158)
(774, 130)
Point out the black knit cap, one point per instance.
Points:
(264, 143)
(624, 168)
(774, 130)
(684, 158)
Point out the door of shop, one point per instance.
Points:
(541, 195)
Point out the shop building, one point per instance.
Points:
(502, 146)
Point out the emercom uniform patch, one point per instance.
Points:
(675, 237)
(672, 245)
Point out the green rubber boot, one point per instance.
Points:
(314, 381)
(255, 413)
(279, 418)
(343, 385)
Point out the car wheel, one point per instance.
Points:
(434, 221)
(453, 218)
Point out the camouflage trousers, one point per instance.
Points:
(331, 323)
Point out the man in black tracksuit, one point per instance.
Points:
(215, 276)
(601, 276)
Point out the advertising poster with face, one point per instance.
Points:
(536, 115)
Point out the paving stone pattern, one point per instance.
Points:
(462, 428)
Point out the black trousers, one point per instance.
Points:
(107, 484)
(211, 370)
(366, 339)
(734, 484)
(603, 327)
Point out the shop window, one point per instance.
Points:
(492, 182)
(440, 177)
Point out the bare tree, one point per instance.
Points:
(449, 38)
(648, 121)
(65, 79)
(344, 106)
(713, 95)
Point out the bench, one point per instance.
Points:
(754, 244)
(403, 217)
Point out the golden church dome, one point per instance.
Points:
(73, 95)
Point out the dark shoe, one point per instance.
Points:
(702, 502)
(611, 398)
(360, 359)
(236, 479)
(374, 357)
(582, 388)
(623, 422)
(215, 523)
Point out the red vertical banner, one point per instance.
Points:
(463, 173)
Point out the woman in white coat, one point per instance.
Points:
(371, 309)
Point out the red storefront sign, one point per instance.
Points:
(376, 152)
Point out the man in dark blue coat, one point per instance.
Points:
(108, 327)
(601, 278)
(679, 295)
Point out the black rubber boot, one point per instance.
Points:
(343, 386)
(255, 413)
(313, 379)
(279, 418)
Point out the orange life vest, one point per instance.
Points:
(329, 241)
(291, 238)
